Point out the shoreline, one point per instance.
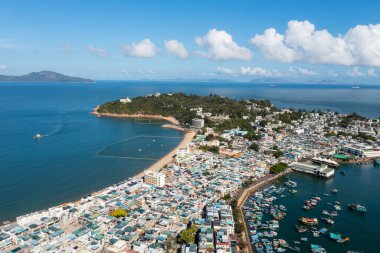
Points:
(172, 120)
(156, 166)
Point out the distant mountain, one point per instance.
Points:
(44, 76)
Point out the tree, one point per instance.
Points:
(278, 153)
(254, 146)
(278, 168)
(188, 235)
(119, 213)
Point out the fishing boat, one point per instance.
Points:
(337, 207)
(37, 136)
(301, 229)
(317, 248)
(334, 190)
(357, 208)
(327, 220)
(309, 221)
(292, 191)
(290, 184)
(338, 237)
(306, 207)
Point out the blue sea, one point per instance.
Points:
(80, 153)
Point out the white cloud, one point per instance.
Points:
(97, 51)
(302, 42)
(302, 71)
(258, 71)
(220, 46)
(226, 71)
(3, 66)
(175, 47)
(271, 44)
(371, 72)
(355, 72)
(144, 49)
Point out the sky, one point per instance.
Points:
(216, 39)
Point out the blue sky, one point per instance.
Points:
(238, 40)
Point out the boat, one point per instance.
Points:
(337, 207)
(290, 184)
(355, 87)
(317, 248)
(37, 136)
(334, 190)
(327, 220)
(292, 191)
(272, 85)
(343, 173)
(357, 208)
(338, 237)
(301, 229)
(309, 221)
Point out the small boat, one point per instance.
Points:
(337, 207)
(334, 190)
(290, 184)
(304, 239)
(301, 229)
(327, 220)
(317, 248)
(357, 208)
(343, 173)
(315, 233)
(309, 221)
(355, 87)
(37, 136)
(306, 207)
(292, 191)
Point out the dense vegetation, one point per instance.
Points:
(278, 168)
(188, 235)
(180, 105)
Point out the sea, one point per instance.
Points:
(359, 185)
(79, 153)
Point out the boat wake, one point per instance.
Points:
(57, 129)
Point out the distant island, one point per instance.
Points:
(43, 77)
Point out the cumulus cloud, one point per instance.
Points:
(3, 66)
(258, 71)
(221, 46)
(144, 49)
(97, 51)
(302, 42)
(355, 72)
(226, 71)
(175, 47)
(302, 71)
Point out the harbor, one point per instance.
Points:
(278, 221)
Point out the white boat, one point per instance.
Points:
(355, 87)
(37, 136)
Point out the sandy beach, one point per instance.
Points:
(174, 124)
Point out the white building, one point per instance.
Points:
(154, 178)
(125, 100)
(316, 170)
(197, 123)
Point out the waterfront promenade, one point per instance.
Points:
(247, 192)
